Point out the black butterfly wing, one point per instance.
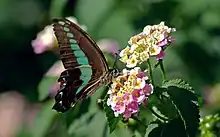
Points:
(83, 60)
(67, 96)
(69, 34)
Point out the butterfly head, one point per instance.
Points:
(114, 73)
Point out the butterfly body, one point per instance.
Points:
(85, 64)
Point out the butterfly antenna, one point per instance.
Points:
(116, 58)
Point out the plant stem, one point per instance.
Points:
(156, 65)
(151, 72)
(162, 69)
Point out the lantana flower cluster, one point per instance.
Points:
(150, 42)
(128, 91)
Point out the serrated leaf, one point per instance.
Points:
(186, 103)
(178, 83)
(112, 120)
(43, 120)
(43, 87)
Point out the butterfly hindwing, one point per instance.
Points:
(70, 89)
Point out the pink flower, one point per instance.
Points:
(141, 75)
(133, 107)
(53, 89)
(127, 114)
(120, 107)
(37, 45)
(138, 95)
(56, 69)
(127, 98)
(46, 40)
(148, 89)
(108, 45)
(171, 39)
(161, 55)
(133, 91)
(162, 43)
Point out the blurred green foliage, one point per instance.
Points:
(194, 57)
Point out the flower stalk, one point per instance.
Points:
(151, 72)
(162, 70)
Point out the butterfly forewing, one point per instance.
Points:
(71, 36)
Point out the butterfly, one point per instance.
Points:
(86, 68)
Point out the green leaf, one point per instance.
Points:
(186, 103)
(112, 120)
(151, 127)
(161, 105)
(178, 83)
(173, 128)
(93, 123)
(43, 87)
(43, 120)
